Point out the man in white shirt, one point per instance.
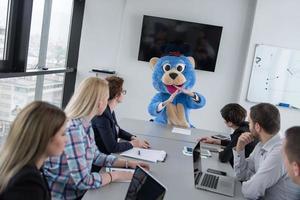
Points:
(291, 153)
(263, 173)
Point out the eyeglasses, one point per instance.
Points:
(123, 92)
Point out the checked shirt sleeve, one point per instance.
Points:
(79, 153)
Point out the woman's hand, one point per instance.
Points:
(132, 164)
(140, 143)
(121, 176)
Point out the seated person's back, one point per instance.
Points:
(27, 184)
(36, 133)
(107, 132)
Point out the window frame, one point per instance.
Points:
(6, 32)
(18, 34)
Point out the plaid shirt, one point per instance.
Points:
(69, 175)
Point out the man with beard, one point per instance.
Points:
(263, 173)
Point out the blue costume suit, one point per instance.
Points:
(165, 69)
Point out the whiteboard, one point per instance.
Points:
(275, 76)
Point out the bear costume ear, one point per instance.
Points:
(153, 61)
(192, 60)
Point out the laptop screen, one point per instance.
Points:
(144, 187)
(197, 163)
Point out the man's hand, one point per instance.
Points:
(243, 140)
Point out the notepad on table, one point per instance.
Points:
(181, 131)
(145, 154)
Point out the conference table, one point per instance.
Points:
(176, 172)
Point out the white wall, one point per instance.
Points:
(100, 40)
(276, 23)
(101, 31)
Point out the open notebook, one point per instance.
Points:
(145, 154)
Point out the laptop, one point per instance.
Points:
(208, 181)
(143, 186)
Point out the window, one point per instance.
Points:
(47, 45)
(3, 26)
(53, 89)
(35, 35)
(18, 92)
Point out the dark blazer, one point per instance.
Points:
(227, 155)
(107, 131)
(28, 183)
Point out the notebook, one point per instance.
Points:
(145, 154)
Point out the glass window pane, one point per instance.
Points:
(53, 88)
(59, 33)
(35, 33)
(15, 93)
(3, 25)
(49, 33)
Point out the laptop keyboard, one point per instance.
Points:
(210, 181)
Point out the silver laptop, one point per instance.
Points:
(208, 181)
(143, 186)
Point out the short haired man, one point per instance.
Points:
(263, 173)
(291, 153)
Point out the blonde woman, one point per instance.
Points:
(37, 133)
(69, 175)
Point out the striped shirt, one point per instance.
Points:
(69, 175)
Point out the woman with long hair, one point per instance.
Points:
(69, 175)
(37, 133)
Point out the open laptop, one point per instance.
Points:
(208, 181)
(143, 186)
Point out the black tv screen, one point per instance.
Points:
(160, 36)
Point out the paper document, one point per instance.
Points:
(145, 154)
(181, 131)
(113, 169)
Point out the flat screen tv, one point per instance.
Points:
(160, 36)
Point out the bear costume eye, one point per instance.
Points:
(180, 67)
(166, 67)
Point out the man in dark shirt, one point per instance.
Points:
(234, 117)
